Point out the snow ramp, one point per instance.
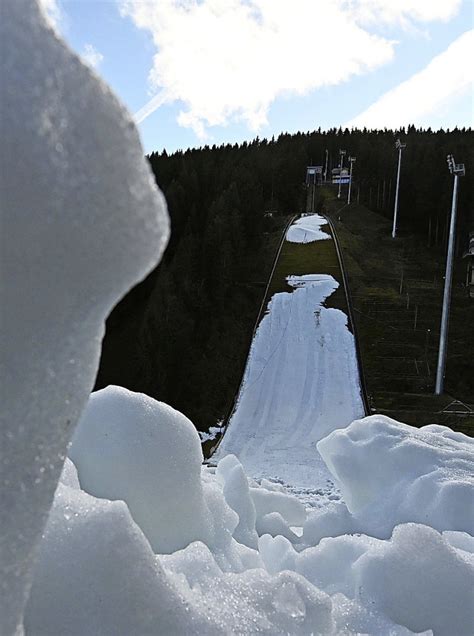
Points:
(302, 376)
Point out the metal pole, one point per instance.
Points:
(340, 177)
(351, 161)
(341, 165)
(326, 167)
(395, 211)
(443, 338)
(350, 184)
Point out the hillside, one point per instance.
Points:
(396, 288)
(183, 335)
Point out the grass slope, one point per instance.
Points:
(397, 288)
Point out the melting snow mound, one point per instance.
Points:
(128, 446)
(392, 473)
(249, 558)
(307, 229)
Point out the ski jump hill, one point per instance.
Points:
(301, 381)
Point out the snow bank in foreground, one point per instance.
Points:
(261, 564)
(307, 229)
(82, 221)
(397, 474)
(164, 497)
(96, 573)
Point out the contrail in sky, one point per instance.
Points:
(150, 107)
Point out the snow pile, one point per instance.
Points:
(307, 229)
(417, 579)
(398, 474)
(260, 564)
(164, 496)
(96, 573)
(82, 221)
(235, 488)
(301, 382)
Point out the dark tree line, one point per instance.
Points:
(182, 335)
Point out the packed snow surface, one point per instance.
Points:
(301, 383)
(307, 229)
(81, 222)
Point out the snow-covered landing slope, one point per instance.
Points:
(301, 382)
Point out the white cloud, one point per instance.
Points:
(401, 12)
(91, 55)
(228, 60)
(447, 77)
(52, 11)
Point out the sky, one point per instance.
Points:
(197, 72)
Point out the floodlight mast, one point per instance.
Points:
(399, 146)
(352, 160)
(341, 164)
(457, 170)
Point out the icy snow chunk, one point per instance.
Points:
(128, 446)
(230, 555)
(237, 494)
(69, 476)
(329, 566)
(274, 524)
(252, 601)
(307, 229)
(332, 520)
(352, 618)
(96, 574)
(268, 501)
(82, 221)
(460, 540)
(195, 564)
(277, 553)
(390, 473)
(418, 580)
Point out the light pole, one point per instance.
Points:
(352, 160)
(326, 167)
(399, 146)
(341, 164)
(458, 170)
